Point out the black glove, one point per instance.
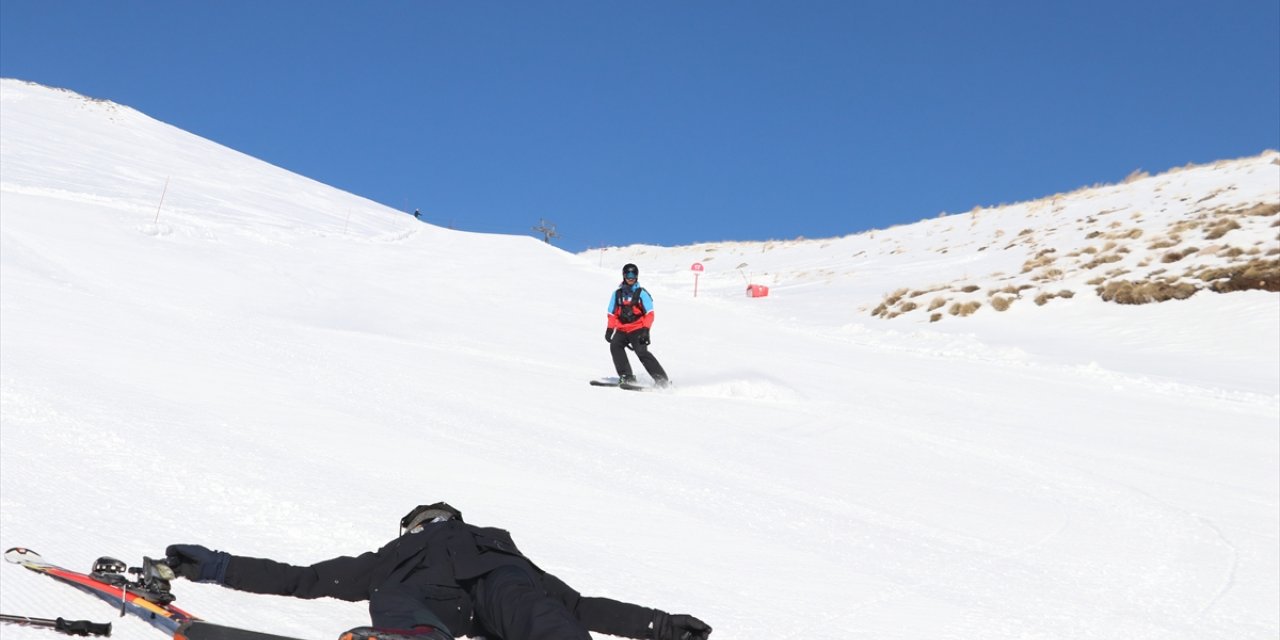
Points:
(197, 563)
(642, 335)
(608, 335)
(679, 626)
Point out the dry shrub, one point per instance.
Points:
(1256, 274)
(963, 309)
(1184, 226)
(1138, 174)
(1045, 297)
(1001, 303)
(1174, 256)
(937, 303)
(1101, 260)
(907, 306)
(1041, 259)
(1220, 228)
(1262, 210)
(1096, 281)
(1131, 292)
(1011, 290)
(1051, 274)
(970, 288)
(935, 317)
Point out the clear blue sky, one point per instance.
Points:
(674, 122)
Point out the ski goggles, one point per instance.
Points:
(630, 275)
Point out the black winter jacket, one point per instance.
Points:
(425, 573)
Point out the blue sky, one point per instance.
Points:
(666, 122)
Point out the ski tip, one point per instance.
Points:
(19, 555)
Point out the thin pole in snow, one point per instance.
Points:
(166, 190)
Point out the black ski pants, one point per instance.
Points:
(511, 604)
(621, 364)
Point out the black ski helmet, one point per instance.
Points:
(423, 514)
(630, 268)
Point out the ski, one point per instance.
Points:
(61, 625)
(147, 597)
(618, 384)
(202, 630)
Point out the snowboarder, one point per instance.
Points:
(630, 318)
(442, 577)
(417, 213)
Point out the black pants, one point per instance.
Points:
(618, 348)
(511, 604)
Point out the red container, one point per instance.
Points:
(757, 291)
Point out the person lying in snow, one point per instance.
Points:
(442, 577)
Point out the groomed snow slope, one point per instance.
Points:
(272, 367)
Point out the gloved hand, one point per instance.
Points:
(608, 335)
(679, 626)
(197, 563)
(642, 335)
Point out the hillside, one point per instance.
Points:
(1209, 228)
(197, 346)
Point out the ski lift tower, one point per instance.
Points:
(548, 230)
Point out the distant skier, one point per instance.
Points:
(630, 318)
(417, 214)
(440, 578)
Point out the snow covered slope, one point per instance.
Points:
(269, 366)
